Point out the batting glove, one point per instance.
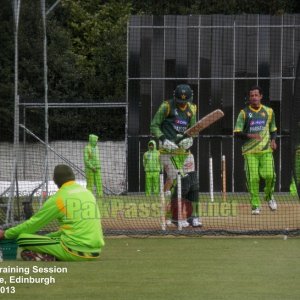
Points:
(168, 145)
(186, 143)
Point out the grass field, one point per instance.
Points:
(176, 268)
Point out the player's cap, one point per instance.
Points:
(62, 174)
(183, 93)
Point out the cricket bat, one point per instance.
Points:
(203, 123)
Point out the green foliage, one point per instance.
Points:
(6, 70)
(98, 34)
(87, 49)
(195, 7)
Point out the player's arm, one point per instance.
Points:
(157, 121)
(144, 159)
(273, 132)
(239, 129)
(239, 126)
(155, 127)
(87, 160)
(187, 142)
(193, 118)
(45, 215)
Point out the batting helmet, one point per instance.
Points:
(183, 93)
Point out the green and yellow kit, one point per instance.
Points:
(257, 154)
(152, 167)
(80, 234)
(170, 120)
(261, 121)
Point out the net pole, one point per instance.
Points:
(233, 105)
(162, 202)
(211, 180)
(24, 144)
(179, 203)
(16, 14)
(54, 151)
(223, 168)
(45, 66)
(127, 102)
(210, 173)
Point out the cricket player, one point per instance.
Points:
(92, 165)
(152, 166)
(171, 120)
(79, 237)
(256, 126)
(296, 173)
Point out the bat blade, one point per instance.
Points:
(205, 122)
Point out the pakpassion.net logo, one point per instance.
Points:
(142, 209)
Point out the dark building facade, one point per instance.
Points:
(221, 57)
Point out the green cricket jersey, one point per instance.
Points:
(260, 121)
(170, 120)
(77, 212)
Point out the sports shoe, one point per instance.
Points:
(34, 256)
(169, 222)
(255, 211)
(272, 204)
(195, 222)
(167, 193)
(183, 223)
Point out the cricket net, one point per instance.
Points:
(220, 57)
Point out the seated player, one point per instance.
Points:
(79, 237)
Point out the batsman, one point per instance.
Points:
(256, 126)
(172, 119)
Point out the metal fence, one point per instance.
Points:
(221, 57)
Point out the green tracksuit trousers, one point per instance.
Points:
(94, 179)
(52, 246)
(152, 183)
(259, 165)
(296, 174)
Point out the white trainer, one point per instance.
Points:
(169, 222)
(183, 224)
(272, 204)
(196, 222)
(255, 211)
